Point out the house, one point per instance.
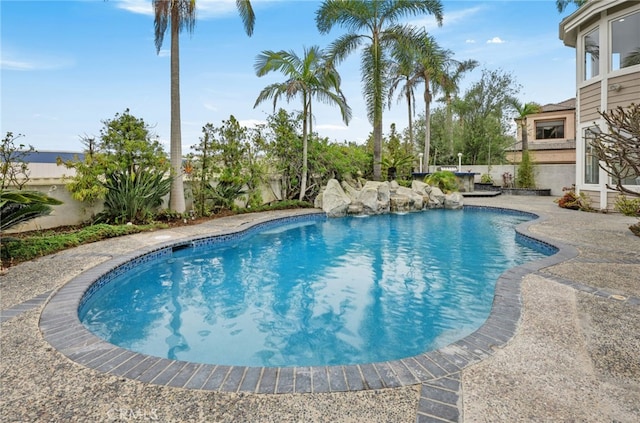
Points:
(606, 37)
(550, 135)
(552, 147)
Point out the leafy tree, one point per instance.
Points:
(311, 75)
(226, 155)
(128, 144)
(483, 113)
(86, 185)
(374, 26)
(338, 160)
(618, 149)
(398, 161)
(282, 142)
(179, 15)
(449, 84)
(14, 170)
(125, 153)
(438, 140)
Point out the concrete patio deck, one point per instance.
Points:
(575, 355)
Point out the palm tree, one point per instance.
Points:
(378, 19)
(562, 4)
(17, 206)
(179, 15)
(402, 72)
(449, 84)
(309, 76)
(430, 66)
(522, 111)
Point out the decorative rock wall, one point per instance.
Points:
(370, 198)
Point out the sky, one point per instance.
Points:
(67, 66)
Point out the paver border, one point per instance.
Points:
(438, 371)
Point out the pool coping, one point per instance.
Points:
(438, 371)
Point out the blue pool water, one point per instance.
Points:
(316, 292)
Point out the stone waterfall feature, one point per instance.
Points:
(355, 198)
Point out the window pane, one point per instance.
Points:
(591, 168)
(550, 129)
(591, 54)
(625, 41)
(630, 180)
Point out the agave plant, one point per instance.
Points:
(20, 206)
(133, 196)
(224, 194)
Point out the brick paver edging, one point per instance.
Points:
(438, 371)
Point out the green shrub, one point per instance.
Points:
(279, 205)
(486, 178)
(445, 180)
(526, 173)
(628, 206)
(573, 201)
(133, 196)
(48, 242)
(223, 195)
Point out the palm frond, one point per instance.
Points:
(20, 206)
(352, 15)
(246, 14)
(393, 11)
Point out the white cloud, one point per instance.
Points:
(211, 107)
(142, 7)
(204, 8)
(16, 65)
(214, 8)
(251, 123)
(164, 53)
(496, 40)
(449, 19)
(44, 63)
(470, 41)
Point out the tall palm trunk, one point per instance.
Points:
(377, 110)
(410, 120)
(427, 121)
(525, 135)
(176, 199)
(450, 125)
(305, 117)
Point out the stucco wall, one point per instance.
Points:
(548, 176)
(72, 212)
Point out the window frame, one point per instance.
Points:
(591, 171)
(595, 64)
(610, 26)
(562, 122)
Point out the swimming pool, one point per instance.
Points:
(313, 291)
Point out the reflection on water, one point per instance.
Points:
(336, 291)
